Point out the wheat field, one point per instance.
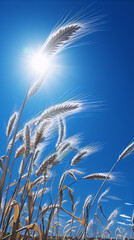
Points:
(28, 208)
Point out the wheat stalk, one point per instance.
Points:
(133, 221)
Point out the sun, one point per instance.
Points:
(39, 62)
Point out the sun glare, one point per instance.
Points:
(40, 63)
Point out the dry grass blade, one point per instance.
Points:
(33, 227)
(30, 200)
(48, 224)
(61, 197)
(133, 222)
(78, 219)
(102, 212)
(70, 172)
(71, 197)
(99, 219)
(11, 124)
(7, 207)
(12, 184)
(1, 163)
(16, 215)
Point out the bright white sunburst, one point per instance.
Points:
(40, 63)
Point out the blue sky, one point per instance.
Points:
(102, 69)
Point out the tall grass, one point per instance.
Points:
(23, 204)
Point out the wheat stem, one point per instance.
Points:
(3, 177)
(103, 183)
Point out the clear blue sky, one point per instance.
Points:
(103, 70)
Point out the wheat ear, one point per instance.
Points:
(27, 139)
(102, 195)
(60, 38)
(113, 215)
(97, 176)
(46, 164)
(83, 153)
(127, 151)
(62, 132)
(63, 108)
(11, 124)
